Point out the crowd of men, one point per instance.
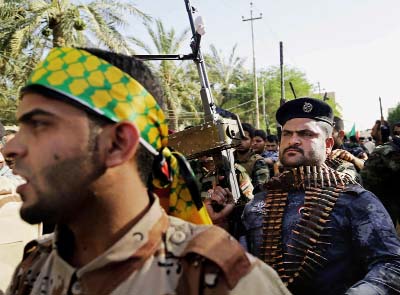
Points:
(316, 214)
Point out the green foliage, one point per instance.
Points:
(177, 78)
(394, 115)
(8, 109)
(63, 23)
(224, 74)
(241, 99)
(29, 28)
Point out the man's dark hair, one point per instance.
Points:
(260, 133)
(339, 125)
(272, 138)
(137, 70)
(249, 128)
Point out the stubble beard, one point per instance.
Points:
(68, 187)
(312, 158)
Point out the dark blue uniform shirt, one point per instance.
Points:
(364, 255)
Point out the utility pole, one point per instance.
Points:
(251, 19)
(264, 106)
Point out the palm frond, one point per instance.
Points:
(139, 43)
(109, 8)
(106, 33)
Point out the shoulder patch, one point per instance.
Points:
(179, 234)
(29, 248)
(216, 245)
(35, 254)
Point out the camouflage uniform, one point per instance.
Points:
(346, 167)
(234, 223)
(256, 168)
(207, 178)
(158, 255)
(381, 174)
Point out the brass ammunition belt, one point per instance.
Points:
(310, 237)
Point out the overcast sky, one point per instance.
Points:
(349, 47)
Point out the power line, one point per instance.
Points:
(239, 105)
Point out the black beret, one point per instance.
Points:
(305, 107)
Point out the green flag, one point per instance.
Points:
(352, 131)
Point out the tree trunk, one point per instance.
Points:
(58, 36)
(172, 115)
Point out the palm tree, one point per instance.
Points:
(225, 73)
(13, 74)
(179, 90)
(7, 111)
(63, 23)
(28, 28)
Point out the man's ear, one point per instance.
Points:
(329, 145)
(122, 144)
(341, 134)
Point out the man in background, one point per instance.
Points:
(340, 159)
(254, 164)
(381, 174)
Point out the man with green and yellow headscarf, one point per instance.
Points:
(92, 141)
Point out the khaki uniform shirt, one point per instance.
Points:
(158, 255)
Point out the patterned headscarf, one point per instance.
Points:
(112, 93)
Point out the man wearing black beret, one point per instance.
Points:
(322, 232)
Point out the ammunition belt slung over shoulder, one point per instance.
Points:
(309, 239)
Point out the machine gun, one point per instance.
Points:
(221, 130)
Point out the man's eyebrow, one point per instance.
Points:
(299, 131)
(305, 130)
(28, 116)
